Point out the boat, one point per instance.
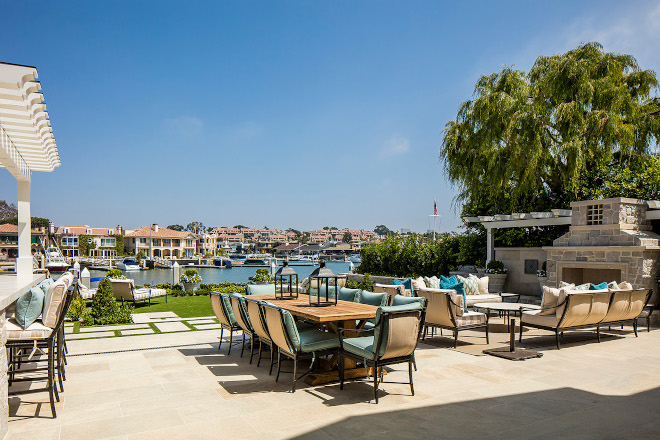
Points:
(254, 262)
(54, 260)
(301, 260)
(128, 264)
(355, 258)
(222, 262)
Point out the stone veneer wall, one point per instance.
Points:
(4, 398)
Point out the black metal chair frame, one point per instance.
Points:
(17, 351)
(377, 363)
(263, 341)
(297, 356)
(455, 329)
(223, 326)
(559, 330)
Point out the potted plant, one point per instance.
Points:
(190, 279)
(262, 277)
(496, 276)
(481, 268)
(542, 274)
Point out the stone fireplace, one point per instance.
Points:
(608, 240)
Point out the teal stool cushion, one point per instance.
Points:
(29, 306)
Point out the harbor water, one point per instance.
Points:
(211, 275)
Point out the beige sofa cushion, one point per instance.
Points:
(470, 318)
(585, 307)
(625, 286)
(551, 299)
(36, 330)
(535, 317)
(488, 298)
(626, 305)
(419, 283)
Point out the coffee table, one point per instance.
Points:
(514, 296)
(506, 308)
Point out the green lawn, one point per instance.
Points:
(183, 306)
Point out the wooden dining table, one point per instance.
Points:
(345, 315)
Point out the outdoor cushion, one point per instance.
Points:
(625, 286)
(400, 300)
(156, 292)
(584, 286)
(141, 294)
(451, 280)
(226, 307)
(460, 290)
(613, 285)
(470, 318)
(488, 298)
(433, 282)
(549, 301)
(346, 294)
(35, 331)
(53, 303)
(373, 299)
(291, 330)
(67, 277)
(45, 284)
(407, 284)
(362, 346)
(470, 285)
(600, 286)
(260, 289)
(482, 284)
(29, 306)
(315, 340)
(419, 283)
(535, 317)
(384, 328)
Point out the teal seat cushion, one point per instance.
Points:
(29, 306)
(260, 289)
(444, 281)
(407, 284)
(400, 300)
(460, 290)
(600, 286)
(226, 307)
(316, 340)
(373, 299)
(346, 294)
(45, 284)
(362, 346)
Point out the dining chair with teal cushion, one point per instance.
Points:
(223, 311)
(29, 307)
(373, 299)
(296, 344)
(239, 307)
(394, 340)
(400, 300)
(260, 289)
(346, 294)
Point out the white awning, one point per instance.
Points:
(26, 137)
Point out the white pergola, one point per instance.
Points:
(26, 145)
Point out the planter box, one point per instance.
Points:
(496, 282)
(190, 286)
(543, 281)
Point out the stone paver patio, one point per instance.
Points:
(178, 385)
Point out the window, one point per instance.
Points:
(143, 241)
(594, 214)
(69, 241)
(108, 242)
(189, 243)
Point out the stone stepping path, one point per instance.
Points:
(143, 324)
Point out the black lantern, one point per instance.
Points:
(324, 296)
(281, 275)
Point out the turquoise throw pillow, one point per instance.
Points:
(600, 286)
(407, 284)
(460, 290)
(45, 284)
(29, 306)
(451, 280)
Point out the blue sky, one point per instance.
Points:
(286, 114)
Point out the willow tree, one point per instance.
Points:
(527, 137)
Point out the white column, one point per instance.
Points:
(490, 245)
(24, 261)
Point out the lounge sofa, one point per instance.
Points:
(470, 299)
(578, 309)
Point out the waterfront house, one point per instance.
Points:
(155, 241)
(103, 241)
(9, 241)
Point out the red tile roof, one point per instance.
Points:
(147, 231)
(13, 229)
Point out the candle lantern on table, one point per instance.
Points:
(287, 278)
(325, 295)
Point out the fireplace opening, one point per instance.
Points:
(581, 275)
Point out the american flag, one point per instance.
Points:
(435, 208)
